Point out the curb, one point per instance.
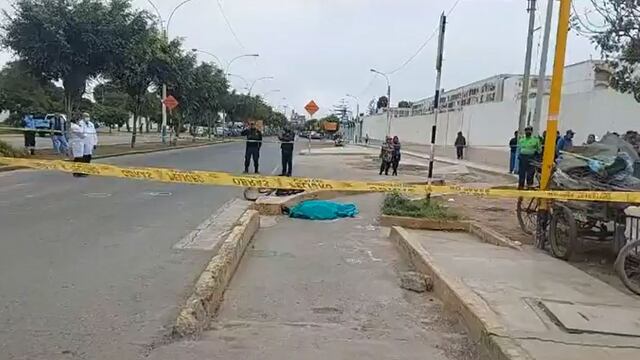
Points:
(478, 317)
(13, 167)
(169, 148)
(272, 205)
(423, 223)
(208, 292)
(484, 233)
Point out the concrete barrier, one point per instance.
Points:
(483, 325)
(209, 289)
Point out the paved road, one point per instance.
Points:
(87, 266)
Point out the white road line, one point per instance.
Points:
(211, 232)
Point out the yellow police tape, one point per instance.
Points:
(217, 178)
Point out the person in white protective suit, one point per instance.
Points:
(90, 137)
(76, 141)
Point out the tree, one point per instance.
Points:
(67, 40)
(382, 102)
(404, 104)
(138, 63)
(112, 104)
(616, 32)
(22, 93)
(110, 115)
(205, 95)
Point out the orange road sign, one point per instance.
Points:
(312, 107)
(170, 102)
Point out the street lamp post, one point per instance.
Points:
(220, 63)
(358, 120)
(238, 57)
(259, 79)
(165, 35)
(388, 99)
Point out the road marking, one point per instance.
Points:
(97, 195)
(158, 193)
(210, 234)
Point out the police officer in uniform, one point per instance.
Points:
(252, 151)
(287, 138)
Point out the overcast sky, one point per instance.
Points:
(323, 49)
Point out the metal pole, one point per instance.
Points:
(527, 68)
(436, 100)
(164, 96)
(542, 75)
(388, 107)
(552, 117)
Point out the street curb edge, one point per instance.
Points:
(480, 320)
(195, 314)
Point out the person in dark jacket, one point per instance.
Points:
(252, 150)
(59, 129)
(287, 138)
(395, 158)
(460, 143)
(513, 153)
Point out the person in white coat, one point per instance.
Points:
(90, 137)
(76, 142)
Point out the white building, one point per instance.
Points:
(487, 111)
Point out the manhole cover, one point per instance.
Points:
(604, 319)
(97, 195)
(159, 193)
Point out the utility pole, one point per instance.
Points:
(436, 100)
(542, 75)
(552, 118)
(527, 68)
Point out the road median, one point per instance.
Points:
(209, 289)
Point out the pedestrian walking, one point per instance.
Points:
(29, 125)
(529, 146)
(386, 155)
(460, 144)
(395, 158)
(76, 142)
(252, 150)
(59, 128)
(513, 150)
(366, 139)
(286, 147)
(90, 141)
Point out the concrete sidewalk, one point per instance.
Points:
(413, 151)
(526, 304)
(325, 290)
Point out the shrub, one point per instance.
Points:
(397, 205)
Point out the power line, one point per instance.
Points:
(424, 44)
(226, 20)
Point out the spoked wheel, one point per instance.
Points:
(628, 266)
(527, 212)
(563, 233)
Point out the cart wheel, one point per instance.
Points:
(628, 266)
(527, 212)
(563, 233)
(619, 238)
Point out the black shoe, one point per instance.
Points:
(283, 174)
(245, 172)
(289, 174)
(257, 172)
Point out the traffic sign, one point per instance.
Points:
(312, 107)
(170, 102)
